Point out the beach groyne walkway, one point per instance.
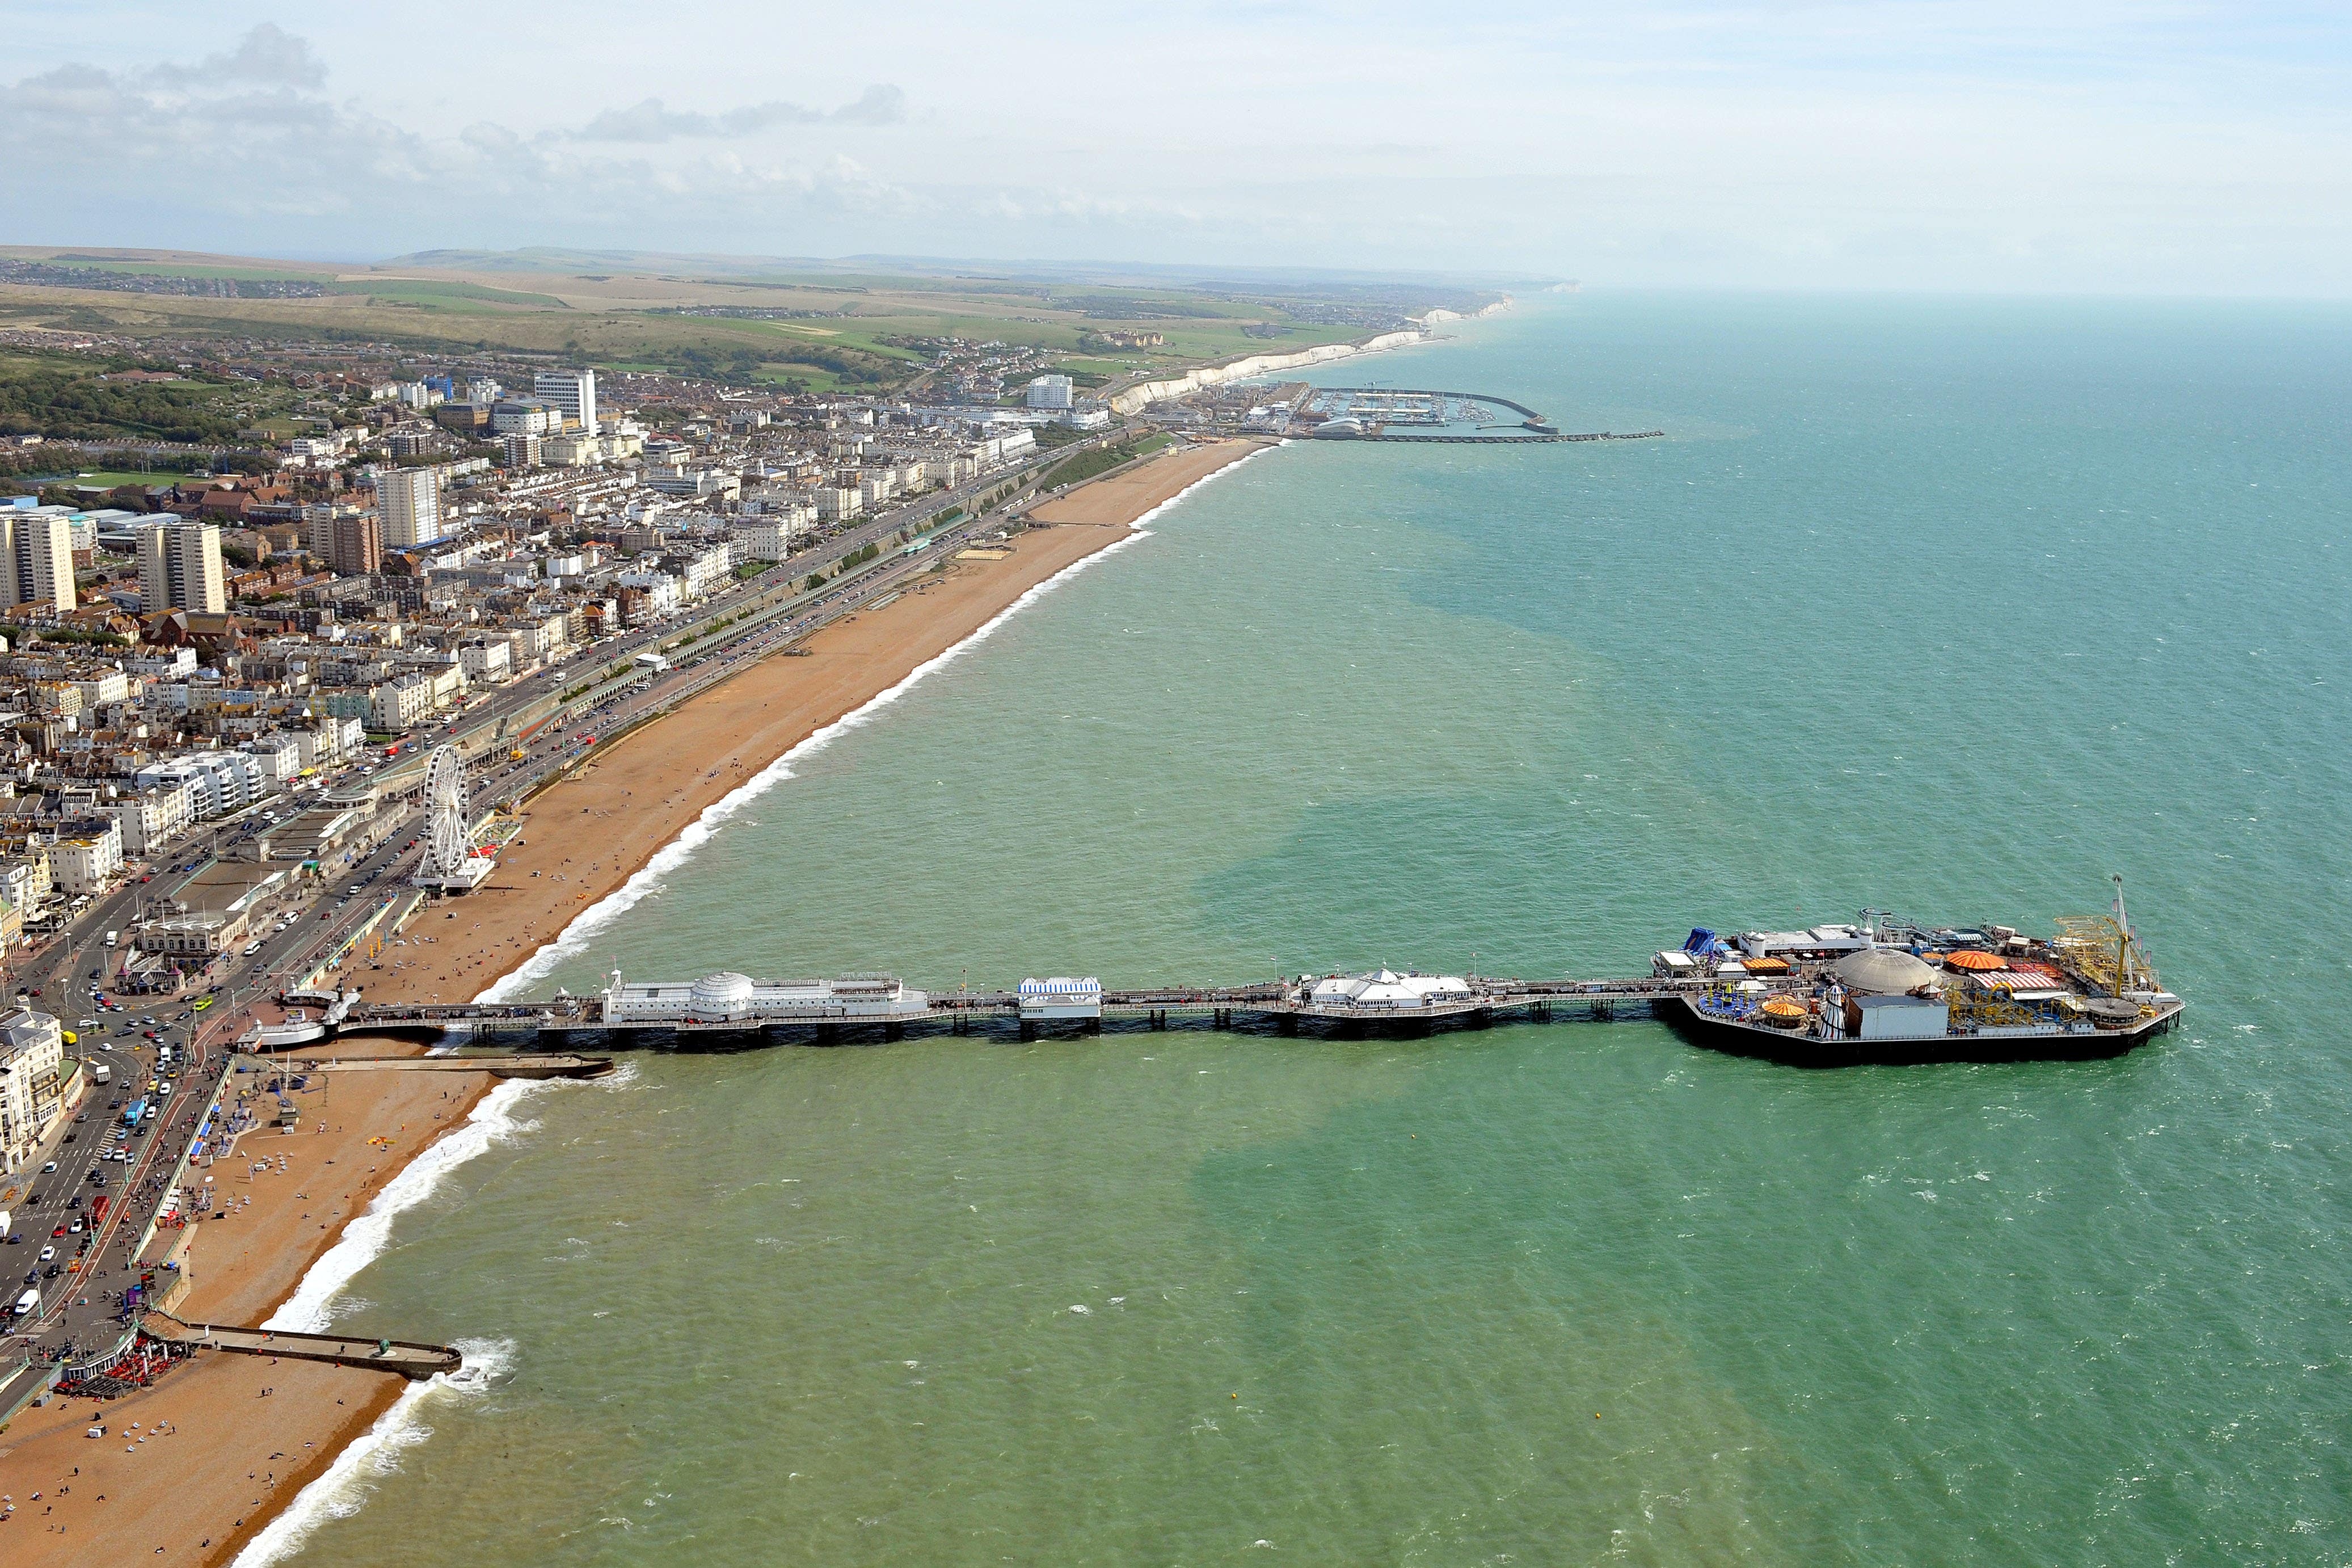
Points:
(411, 1359)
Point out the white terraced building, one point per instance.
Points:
(1386, 988)
(31, 1056)
(1063, 996)
(727, 998)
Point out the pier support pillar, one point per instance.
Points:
(1028, 1032)
(1288, 1023)
(894, 1031)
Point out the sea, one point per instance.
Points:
(1954, 608)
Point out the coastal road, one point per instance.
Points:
(82, 1302)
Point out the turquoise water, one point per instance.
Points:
(1952, 609)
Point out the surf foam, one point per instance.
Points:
(343, 1488)
(310, 1309)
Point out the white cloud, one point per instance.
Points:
(267, 54)
(652, 121)
(1933, 143)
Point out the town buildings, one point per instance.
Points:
(573, 391)
(354, 545)
(204, 645)
(35, 558)
(32, 1053)
(408, 503)
(180, 568)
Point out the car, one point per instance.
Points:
(69, 1137)
(47, 1168)
(51, 1272)
(47, 1253)
(74, 1229)
(58, 1232)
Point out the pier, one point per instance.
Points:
(712, 1017)
(1889, 990)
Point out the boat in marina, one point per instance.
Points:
(1897, 992)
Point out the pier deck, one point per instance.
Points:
(580, 1020)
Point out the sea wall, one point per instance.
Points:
(1144, 394)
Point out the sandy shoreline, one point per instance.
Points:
(213, 1480)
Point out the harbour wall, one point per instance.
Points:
(1142, 395)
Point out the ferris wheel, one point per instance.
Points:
(449, 860)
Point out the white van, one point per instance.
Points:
(253, 947)
(110, 936)
(29, 1303)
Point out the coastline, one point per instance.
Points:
(647, 803)
(1179, 383)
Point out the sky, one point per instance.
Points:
(2055, 147)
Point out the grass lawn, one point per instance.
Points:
(444, 295)
(1102, 460)
(111, 478)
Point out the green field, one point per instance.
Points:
(1101, 460)
(109, 478)
(628, 310)
(433, 294)
(64, 395)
